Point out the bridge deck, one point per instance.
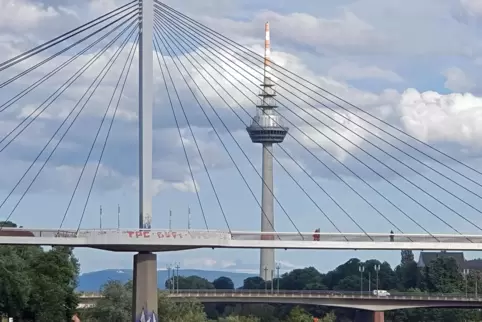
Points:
(164, 240)
(365, 300)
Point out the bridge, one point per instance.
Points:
(358, 300)
(153, 240)
(397, 191)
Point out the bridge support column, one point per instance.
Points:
(378, 316)
(144, 300)
(369, 316)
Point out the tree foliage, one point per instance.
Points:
(440, 276)
(36, 284)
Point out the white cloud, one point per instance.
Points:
(23, 15)
(351, 71)
(473, 7)
(433, 117)
(457, 80)
(346, 32)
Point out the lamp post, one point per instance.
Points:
(476, 283)
(369, 281)
(265, 278)
(377, 270)
(466, 274)
(177, 276)
(277, 276)
(361, 268)
(272, 281)
(169, 267)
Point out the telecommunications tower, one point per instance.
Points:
(267, 129)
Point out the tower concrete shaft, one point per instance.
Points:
(267, 129)
(145, 264)
(267, 257)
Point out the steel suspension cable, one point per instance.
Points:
(369, 154)
(69, 34)
(189, 126)
(325, 151)
(108, 67)
(39, 110)
(129, 61)
(31, 87)
(378, 148)
(244, 123)
(158, 31)
(89, 63)
(274, 66)
(46, 60)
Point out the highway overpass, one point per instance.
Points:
(355, 300)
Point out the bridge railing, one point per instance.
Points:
(325, 294)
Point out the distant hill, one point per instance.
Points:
(92, 282)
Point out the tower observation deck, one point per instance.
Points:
(267, 128)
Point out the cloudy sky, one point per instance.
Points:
(412, 64)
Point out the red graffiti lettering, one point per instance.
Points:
(139, 234)
(160, 234)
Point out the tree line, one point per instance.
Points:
(38, 284)
(442, 275)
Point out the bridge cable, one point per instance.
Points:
(168, 74)
(39, 110)
(161, 25)
(159, 32)
(372, 168)
(380, 149)
(83, 69)
(31, 87)
(215, 61)
(69, 34)
(275, 67)
(131, 58)
(107, 68)
(46, 60)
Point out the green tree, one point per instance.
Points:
(115, 304)
(189, 283)
(253, 283)
(298, 314)
(53, 279)
(330, 317)
(303, 279)
(223, 283)
(238, 318)
(170, 311)
(37, 285)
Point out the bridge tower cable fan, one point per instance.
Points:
(266, 129)
(145, 263)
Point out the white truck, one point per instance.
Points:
(381, 293)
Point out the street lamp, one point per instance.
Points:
(272, 281)
(476, 283)
(377, 270)
(169, 267)
(177, 276)
(361, 268)
(466, 273)
(265, 279)
(277, 277)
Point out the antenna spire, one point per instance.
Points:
(267, 54)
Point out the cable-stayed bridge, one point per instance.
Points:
(395, 188)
